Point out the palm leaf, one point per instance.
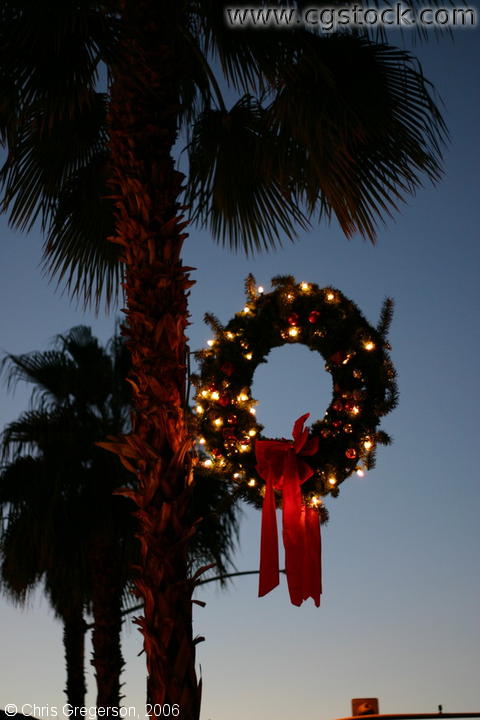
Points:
(77, 250)
(232, 185)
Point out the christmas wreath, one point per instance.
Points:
(339, 443)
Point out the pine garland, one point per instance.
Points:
(355, 354)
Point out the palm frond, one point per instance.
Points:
(51, 371)
(77, 250)
(44, 151)
(359, 128)
(234, 184)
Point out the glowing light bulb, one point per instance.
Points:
(316, 501)
(261, 289)
(202, 441)
(236, 476)
(368, 444)
(248, 356)
(204, 393)
(199, 409)
(252, 432)
(355, 410)
(252, 411)
(218, 422)
(290, 296)
(304, 286)
(293, 331)
(229, 335)
(246, 310)
(332, 480)
(207, 463)
(330, 296)
(243, 397)
(252, 482)
(360, 472)
(369, 345)
(210, 343)
(215, 395)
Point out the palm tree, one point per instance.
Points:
(82, 543)
(339, 125)
(38, 545)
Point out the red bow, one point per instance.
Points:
(280, 464)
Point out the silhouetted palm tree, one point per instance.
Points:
(42, 539)
(338, 124)
(62, 523)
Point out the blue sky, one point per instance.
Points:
(399, 618)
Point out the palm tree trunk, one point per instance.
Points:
(107, 588)
(143, 130)
(74, 629)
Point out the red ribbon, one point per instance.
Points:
(280, 464)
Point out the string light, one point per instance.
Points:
(360, 472)
(246, 310)
(368, 444)
(248, 356)
(243, 397)
(290, 296)
(332, 480)
(199, 409)
(330, 296)
(207, 463)
(252, 482)
(316, 501)
(304, 286)
(252, 432)
(252, 411)
(294, 331)
(215, 395)
(218, 422)
(369, 345)
(355, 410)
(230, 336)
(236, 476)
(210, 343)
(261, 289)
(202, 441)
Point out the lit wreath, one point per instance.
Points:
(355, 353)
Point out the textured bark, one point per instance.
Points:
(107, 588)
(143, 130)
(74, 646)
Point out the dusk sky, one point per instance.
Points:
(399, 617)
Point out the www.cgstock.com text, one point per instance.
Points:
(330, 19)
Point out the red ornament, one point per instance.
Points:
(338, 358)
(351, 453)
(325, 433)
(293, 319)
(314, 317)
(224, 400)
(232, 420)
(228, 369)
